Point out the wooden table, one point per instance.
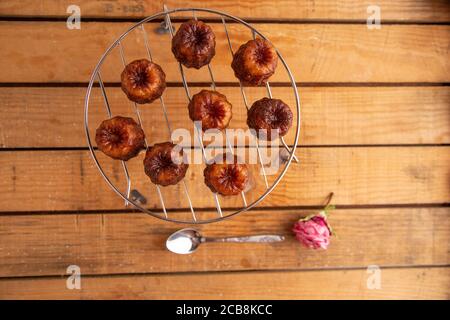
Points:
(376, 132)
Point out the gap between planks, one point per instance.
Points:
(219, 272)
(211, 209)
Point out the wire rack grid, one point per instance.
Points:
(96, 76)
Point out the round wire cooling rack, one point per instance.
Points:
(134, 197)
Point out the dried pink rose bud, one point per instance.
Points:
(313, 231)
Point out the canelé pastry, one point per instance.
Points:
(267, 115)
(254, 62)
(194, 44)
(164, 164)
(227, 178)
(211, 108)
(143, 81)
(120, 138)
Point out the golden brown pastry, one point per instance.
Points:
(120, 138)
(267, 115)
(194, 44)
(143, 81)
(211, 108)
(164, 164)
(228, 178)
(254, 62)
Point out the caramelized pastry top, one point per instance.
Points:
(143, 81)
(267, 115)
(164, 164)
(254, 62)
(120, 138)
(194, 44)
(211, 108)
(227, 178)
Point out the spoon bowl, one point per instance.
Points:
(184, 241)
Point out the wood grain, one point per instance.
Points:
(413, 283)
(44, 195)
(68, 180)
(53, 117)
(134, 242)
(49, 52)
(407, 10)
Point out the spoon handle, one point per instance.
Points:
(257, 239)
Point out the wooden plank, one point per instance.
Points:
(134, 243)
(413, 283)
(68, 180)
(49, 52)
(409, 10)
(49, 117)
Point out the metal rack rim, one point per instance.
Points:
(133, 202)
